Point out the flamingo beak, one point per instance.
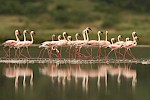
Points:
(28, 32)
(19, 33)
(138, 39)
(80, 35)
(66, 33)
(90, 28)
(102, 32)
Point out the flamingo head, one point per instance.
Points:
(100, 32)
(53, 36)
(113, 39)
(135, 34)
(120, 36)
(32, 32)
(79, 34)
(69, 38)
(88, 28)
(65, 33)
(17, 32)
(127, 39)
(26, 31)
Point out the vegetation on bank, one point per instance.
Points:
(48, 17)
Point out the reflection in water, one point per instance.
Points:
(18, 71)
(78, 72)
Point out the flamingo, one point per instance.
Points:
(129, 44)
(11, 43)
(25, 44)
(24, 36)
(95, 42)
(105, 43)
(80, 43)
(113, 47)
(45, 46)
(29, 43)
(53, 45)
(72, 42)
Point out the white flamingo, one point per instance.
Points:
(105, 43)
(25, 44)
(129, 44)
(11, 43)
(45, 46)
(113, 47)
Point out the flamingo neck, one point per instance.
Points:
(134, 39)
(133, 36)
(59, 38)
(17, 37)
(24, 36)
(64, 37)
(87, 36)
(112, 42)
(76, 36)
(52, 38)
(31, 37)
(118, 38)
(83, 33)
(99, 39)
(106, 36)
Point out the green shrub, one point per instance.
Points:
(110, 22)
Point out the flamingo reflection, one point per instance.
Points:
(53, 71)
(16, 72)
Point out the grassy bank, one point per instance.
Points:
(54, 17)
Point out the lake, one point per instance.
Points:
(64, 81)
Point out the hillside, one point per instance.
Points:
(55, 16)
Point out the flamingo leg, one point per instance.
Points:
(105, 56)
(49, 53)
(115, 54)
(28, 52)
(109, 53)
(6, 53)
(124, 55)
(20, 54)
(130, 53)
(120, 53)
(99, 53)
(40, 52)
(43, 53)
(16, 56)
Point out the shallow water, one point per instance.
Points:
(106, 81)
(76, 82)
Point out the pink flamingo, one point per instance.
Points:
(95, 42)
(11, 43)
(128, 45)
(105, 43)
(45, 46)
(80, 43)
(25, 44)
(113, 47)
(54, 44)
(29, 43)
